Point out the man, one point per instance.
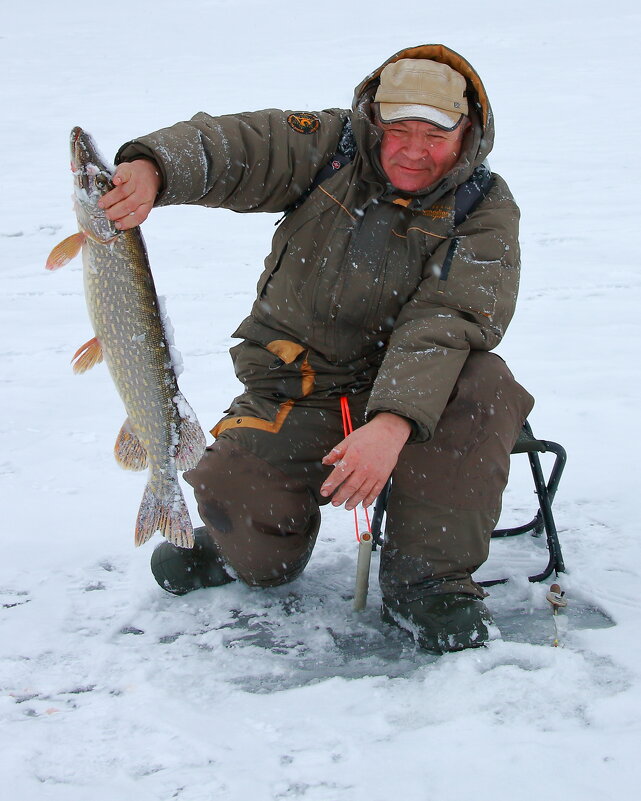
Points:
(373, 291)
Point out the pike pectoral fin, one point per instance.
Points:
(87, 356)
(167, 514)
(65, 251)
(191, 445)
(129, 451)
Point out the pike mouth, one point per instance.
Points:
(81, 150)
(85, 155)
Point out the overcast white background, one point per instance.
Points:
(112, 689)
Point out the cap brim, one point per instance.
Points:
(396, 112)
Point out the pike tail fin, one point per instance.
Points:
(164, 509)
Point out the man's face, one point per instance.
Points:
(416, 154)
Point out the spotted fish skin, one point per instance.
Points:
(160, 432)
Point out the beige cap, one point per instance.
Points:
(420, 89)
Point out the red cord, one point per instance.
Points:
(348, 428)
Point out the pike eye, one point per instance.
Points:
(101, 181)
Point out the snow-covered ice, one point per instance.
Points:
(112, 689)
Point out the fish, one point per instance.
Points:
(134, 338)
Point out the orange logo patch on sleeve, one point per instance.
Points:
(303, 122)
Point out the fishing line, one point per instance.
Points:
(348, 428)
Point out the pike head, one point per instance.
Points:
(92, 179)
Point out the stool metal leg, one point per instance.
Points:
(545, 495)
(380, 507)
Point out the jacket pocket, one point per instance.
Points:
(468, 283)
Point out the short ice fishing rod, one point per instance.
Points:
(556, 598)
(365, 541)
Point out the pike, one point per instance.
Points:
(161, 431)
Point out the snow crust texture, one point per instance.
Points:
(111, 688)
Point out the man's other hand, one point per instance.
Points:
(364, 460)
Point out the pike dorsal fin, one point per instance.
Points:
(192, 440)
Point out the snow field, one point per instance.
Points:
(110, 688)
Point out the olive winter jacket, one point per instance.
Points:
(378, 287)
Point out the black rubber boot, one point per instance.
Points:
(181, 570)
(441, 623)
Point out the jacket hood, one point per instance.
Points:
(479, 140)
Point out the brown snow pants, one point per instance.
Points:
(258, 485)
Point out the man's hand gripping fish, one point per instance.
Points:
(161, 431)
